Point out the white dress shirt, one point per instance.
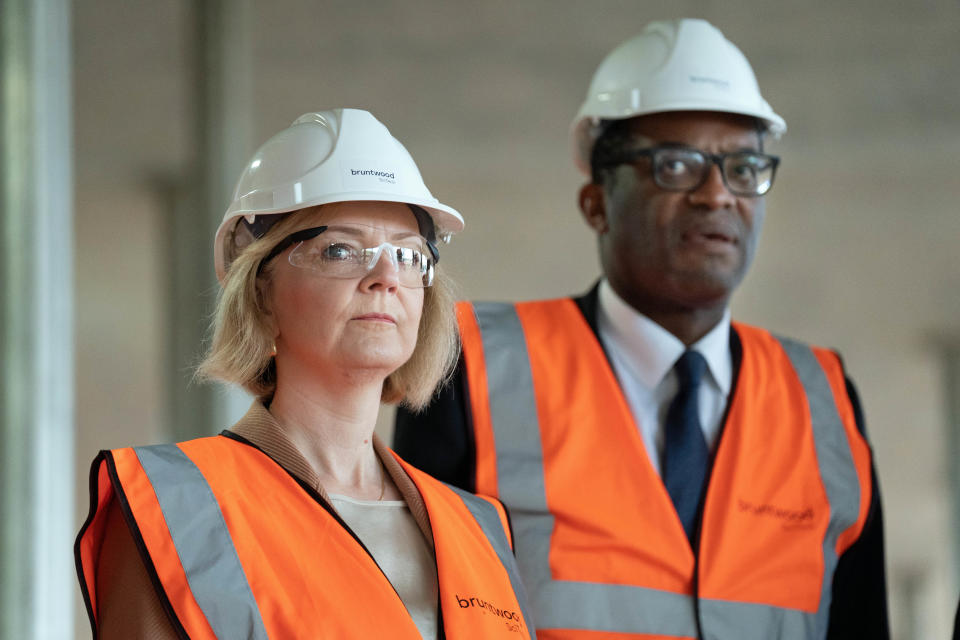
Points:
(643, 355)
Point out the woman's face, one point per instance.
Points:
(362, 327)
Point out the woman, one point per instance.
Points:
(298, 522)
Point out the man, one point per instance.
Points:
(669, 474)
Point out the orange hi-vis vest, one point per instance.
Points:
(239, 549)
(600, 547)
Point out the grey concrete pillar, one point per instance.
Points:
(951, 369)
(37, 577)
(222, 130)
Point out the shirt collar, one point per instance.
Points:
(650, 351)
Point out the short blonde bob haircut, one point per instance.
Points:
(241, 348)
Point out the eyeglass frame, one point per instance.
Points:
(631, 156)
(309, 234)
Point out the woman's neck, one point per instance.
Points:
(332, 427)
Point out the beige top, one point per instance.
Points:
(394, 540)
(128, 605)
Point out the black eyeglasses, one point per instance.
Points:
(745, 173)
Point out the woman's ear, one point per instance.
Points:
(593, 206)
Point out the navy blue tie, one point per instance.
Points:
(685, 453)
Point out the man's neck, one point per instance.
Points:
(689, 323)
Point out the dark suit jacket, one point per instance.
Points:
(440, 441)
(956, 624)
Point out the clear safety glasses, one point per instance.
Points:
(344, 251)
(745, 173)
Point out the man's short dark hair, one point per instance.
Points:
(615, 138)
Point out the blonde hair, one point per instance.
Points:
(241, 349)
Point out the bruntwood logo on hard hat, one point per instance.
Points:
(363, 175)
(383, 176)
(716, 83)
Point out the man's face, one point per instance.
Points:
(668, 251)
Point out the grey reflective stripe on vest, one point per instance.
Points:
(835, 460)
(559, 604)
(727, 620)
(489, 520)
(203, 543)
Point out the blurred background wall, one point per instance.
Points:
(858, 253)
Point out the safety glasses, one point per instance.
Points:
(348, 250)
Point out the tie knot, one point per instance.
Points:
(690, 368)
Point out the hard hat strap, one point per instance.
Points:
(427, 230)
(261, 224)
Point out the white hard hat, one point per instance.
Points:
(674, 65)
(341, 155)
